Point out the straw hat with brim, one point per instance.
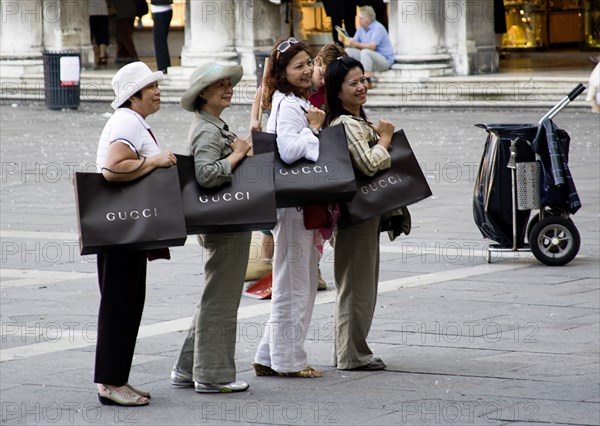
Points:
(204, 76)
(130, 79)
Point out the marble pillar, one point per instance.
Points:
(211, 35)
(417, 32)
(470, 37)
(21, 37)
(66, 27)
(255, 31)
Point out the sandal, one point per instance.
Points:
(307, 373)
(102, 60)
(122, 396)
(263, 370)
(139, 391)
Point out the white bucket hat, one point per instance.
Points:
(130, 79)
(204, 76)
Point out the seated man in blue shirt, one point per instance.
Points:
(371, 44)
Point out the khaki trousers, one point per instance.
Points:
(209, 348)
(356, 269)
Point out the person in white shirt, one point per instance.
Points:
(127, 150)
(297, 124)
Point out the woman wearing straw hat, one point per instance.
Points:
(127, 150)
(206, 360)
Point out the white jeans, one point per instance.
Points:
(295, 266)
(371, 60)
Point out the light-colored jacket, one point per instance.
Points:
(210, 144)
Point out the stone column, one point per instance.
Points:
(255, 31)
(66, 27)
(417, 32)
(211, 34)
(21, 37)
(470, 36)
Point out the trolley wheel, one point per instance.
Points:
(534, 221)
(555, 240)
(536, 218)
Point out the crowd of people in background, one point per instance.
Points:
(124, 13)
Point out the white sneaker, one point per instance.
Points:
(180, 379)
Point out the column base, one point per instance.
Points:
(192, 60)
(421, 66)
(14, 68)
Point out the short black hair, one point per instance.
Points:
(199, 102)
(127, 103)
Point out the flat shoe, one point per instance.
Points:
(221, 387)
(307, 373)
(122, 396)
(139, 391)
(375, 365)
(263, 370)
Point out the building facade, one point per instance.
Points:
(430, 37)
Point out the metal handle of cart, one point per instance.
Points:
(578, 90)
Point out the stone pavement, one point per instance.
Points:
(465, 342)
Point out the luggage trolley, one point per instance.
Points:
(525, 167)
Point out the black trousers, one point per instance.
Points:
(99, 29)
(122, 280)
(343, 11)
(162, 21)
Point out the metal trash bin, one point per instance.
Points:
(260, 65)
(62, 71)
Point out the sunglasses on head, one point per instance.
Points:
(284, 46)
(343, 60)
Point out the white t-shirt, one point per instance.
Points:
(128, 127)
(160, 9)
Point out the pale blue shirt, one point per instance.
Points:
(376, 33)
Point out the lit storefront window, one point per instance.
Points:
(525, 24)
(591, 24)
(540, 24)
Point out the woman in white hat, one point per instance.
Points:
(206, 360)
(127, 150)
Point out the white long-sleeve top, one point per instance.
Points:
(294, 139)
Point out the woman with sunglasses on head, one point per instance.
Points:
(206, 360)
(356, 264)
(286, 88)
